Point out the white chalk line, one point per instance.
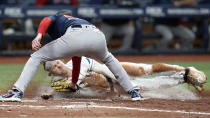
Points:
(29, 100)
(92, 105)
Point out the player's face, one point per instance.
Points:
(58, 68)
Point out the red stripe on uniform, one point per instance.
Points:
(43, 26)
(76, 68)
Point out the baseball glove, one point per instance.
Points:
(62, 85)
(195, 78)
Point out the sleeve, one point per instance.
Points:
(44, 24)
(76, 69)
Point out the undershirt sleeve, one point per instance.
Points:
(43, 26)
(76, 68)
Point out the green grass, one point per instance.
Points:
(9, 73)
(202, 66)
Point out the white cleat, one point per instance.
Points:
(135, 95)
(12, 96)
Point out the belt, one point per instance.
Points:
(76, 26)
(82, 26)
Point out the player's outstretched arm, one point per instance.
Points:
(134, 69)
(191, 75)
(162, 67)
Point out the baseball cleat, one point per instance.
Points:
(135, 95)
(12, 96)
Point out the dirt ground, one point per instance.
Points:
(136, 58)
(31, 105)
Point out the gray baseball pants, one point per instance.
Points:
(169, 32)
(85, 41)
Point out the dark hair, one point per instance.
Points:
(64, 12)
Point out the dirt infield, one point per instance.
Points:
(99, 106)
(137, 58)
(106, 107)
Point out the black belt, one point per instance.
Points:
(76, 26)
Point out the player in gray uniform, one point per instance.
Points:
(71, 37)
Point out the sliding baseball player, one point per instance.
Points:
(95, 74)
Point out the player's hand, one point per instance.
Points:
(73, 87)
(36, 45)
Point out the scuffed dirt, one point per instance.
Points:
(110, 105)
(168, 107)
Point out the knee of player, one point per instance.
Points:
(168, 37)
(191, 37)
(107, 57)
(38, 57)
(130, 31)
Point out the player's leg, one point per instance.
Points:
(51, 51)
(116, 68)
(122, 77)
(95, 46)
(127, 30)
(186, 34)
(166, 34)
(27, 74)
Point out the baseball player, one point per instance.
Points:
(71, 37)
(57, 67)
(96, 74)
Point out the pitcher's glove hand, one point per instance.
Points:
(195, 77)
(62, 85)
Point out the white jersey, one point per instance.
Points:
(86, 65)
